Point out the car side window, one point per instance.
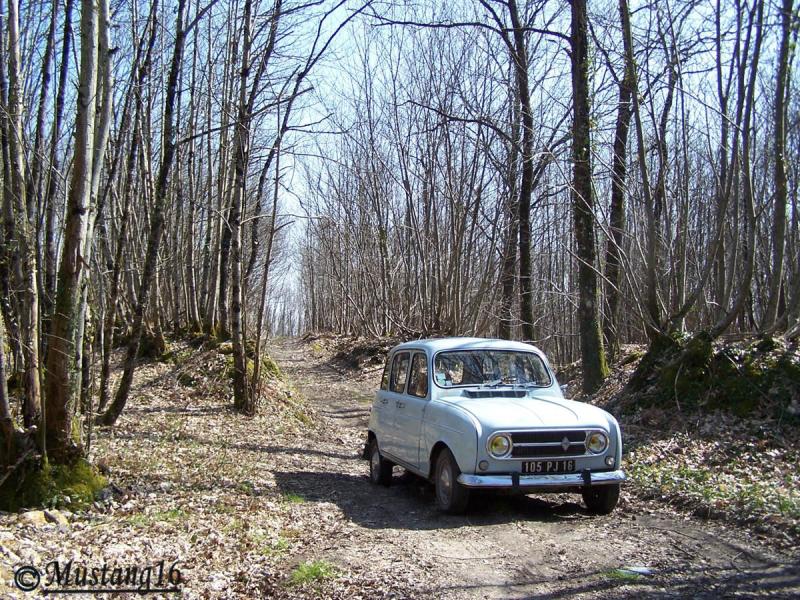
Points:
(418, 380)
(399, 372)
(385, 378)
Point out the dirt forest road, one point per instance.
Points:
(524, 547)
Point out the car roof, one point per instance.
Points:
(465, 343)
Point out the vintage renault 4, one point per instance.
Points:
(480, 414)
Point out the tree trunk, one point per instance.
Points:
(770, 320)
(61, 381)
(7, 437)
(508, 268)
(526, 184)
(53, 171)
(28, 260)
(593, 357)
(240, 160)
(619, 170)
(34, 182)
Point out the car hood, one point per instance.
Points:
(533, 410)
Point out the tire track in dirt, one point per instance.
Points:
(514, 547)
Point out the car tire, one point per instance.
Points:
(380, 469)
(601, 499)
(451, 496)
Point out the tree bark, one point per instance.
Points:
(61, 381)
(593, 357)
(240, 159)
(508, 268)
(28, 261)
(526, 184)
(619, 172)
(770, 320)
(52, 179)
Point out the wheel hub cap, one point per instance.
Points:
(375, 463)
(445, 482)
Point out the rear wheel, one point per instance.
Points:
(380, 469)
(451, 496)
(601, 499)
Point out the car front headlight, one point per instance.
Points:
(597, 442)
(499, 445)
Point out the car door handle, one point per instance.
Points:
(399, 404)
(384, 401)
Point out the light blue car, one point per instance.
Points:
(473, 413)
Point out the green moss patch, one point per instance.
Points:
(693, 373)
(47, 485)
(269, 368)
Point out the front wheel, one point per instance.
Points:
(601, 499)
(451, 496)
(380, 469)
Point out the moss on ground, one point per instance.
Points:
(37, 485)
(694, 373)
(269, 368)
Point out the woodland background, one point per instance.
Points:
(578, 176)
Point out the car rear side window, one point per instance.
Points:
(418, 380)
(399, 372)
(385, 378)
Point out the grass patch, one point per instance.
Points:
(172, 515)
(246, 487)
(292, 498)
(312, 572)
(268, 546)
(139, 520)
(622, 575)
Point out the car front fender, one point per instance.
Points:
(451, 426)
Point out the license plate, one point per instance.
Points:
(542, 467)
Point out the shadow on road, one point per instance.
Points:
(707, 583)
(409, 502)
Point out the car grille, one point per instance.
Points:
(526, 444)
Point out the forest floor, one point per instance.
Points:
(280, 505)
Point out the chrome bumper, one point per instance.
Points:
(541, 481)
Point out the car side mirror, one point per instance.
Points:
(564, 387)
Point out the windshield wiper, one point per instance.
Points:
(493, 383)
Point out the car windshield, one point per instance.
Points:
(490, 368)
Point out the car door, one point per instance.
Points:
(388, 400)
(410, 412)
(380, 421)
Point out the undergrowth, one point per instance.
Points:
(693, 373)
